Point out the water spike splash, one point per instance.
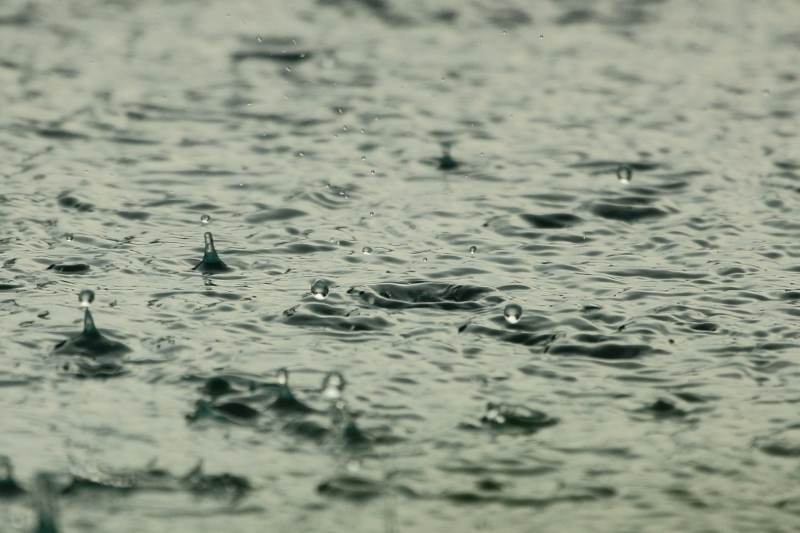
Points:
(88, 325)
(8, 485)
(286, 402)
(46, 504)
(211, 261)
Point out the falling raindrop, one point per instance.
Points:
(473, 249)
(333, 386)
(513, 313)
(205, 219)
(86, 297)
(69, 237)
(366, 250)
(372, 213)
(624, 173)
(319, 290)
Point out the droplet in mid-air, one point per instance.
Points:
(283, 377)
(319, 290)
(205, 219)
(366, 250)
(513, 313)
(473, 249)
(211, 261)
(333, 386)
(86, 297)
(69, 237)
(624, 173)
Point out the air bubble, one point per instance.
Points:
(205, 219)
(513, 313)
(624, 173)
(86, 297)
(366, 250)
(319, 290)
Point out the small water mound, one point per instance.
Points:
(423, 294)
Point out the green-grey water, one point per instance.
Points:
(389, 185)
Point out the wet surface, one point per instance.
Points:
(551, 249)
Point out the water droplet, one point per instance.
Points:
(259, 38)
(283, 376)
(320, 290)
(344, 128)
(363, 158)
(327, 185)
(541, 37)
(366, 250)
(473, 249)
(333, 386)
(624, 173)
(766, 92)
(86, 297)
(362, 130)
(513, 313)
(205, 219)
(372, 172)
(372, 213)
(288, 69)
(301, 154)
(424, 259)
(69, 237)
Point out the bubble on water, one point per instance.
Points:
(283, 376)
(86, 297)
(473, 249)
(624, 173)
(366, 250)
(69, 237)
(333, 385)
(205, 219)
(319, 290)
(513, 313)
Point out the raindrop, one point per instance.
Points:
(344, 128)
(301, 154)
(363, 158)
(372, 172)
(69, 237)
(333, 386)
(86, 297)
(259, 38)
(362, 130)
(319, 290)
(366, 250)
(541, 37)
(473, 249)
(372, 213)
(513, 313)
(624, 173)
(205, 219)
(424, 259)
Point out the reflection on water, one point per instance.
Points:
(550, 250)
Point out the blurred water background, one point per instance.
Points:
(431, 163)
